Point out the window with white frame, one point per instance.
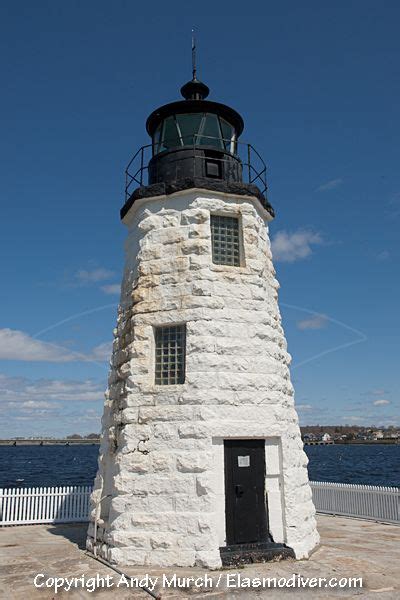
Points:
(170, 343)
(225, 240)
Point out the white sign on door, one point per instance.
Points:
(243, 461)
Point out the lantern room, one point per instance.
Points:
(195, 144)
(194, 138)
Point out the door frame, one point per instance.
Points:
(274, 483)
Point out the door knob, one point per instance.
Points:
(239, 491)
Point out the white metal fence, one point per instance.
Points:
(363, 501)
(62, 504)
(70, 504)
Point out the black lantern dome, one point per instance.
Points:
(195, 144)
(194, 120)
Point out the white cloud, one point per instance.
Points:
(373, 419)
(102, 352)
(91, 415)
(375, 392)
(304, 407)
(381, 402)
(290, 247)
(49, 406)
(112, 288)
(17, 345)
(330, 185)
(315, 322)
(94, 275)
(40, 393)
(30, 405)
(384, 255)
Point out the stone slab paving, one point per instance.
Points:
(349, 548)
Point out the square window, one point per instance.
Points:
(225, 240)
(170, 342)
(213, 169)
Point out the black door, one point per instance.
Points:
(245, 500)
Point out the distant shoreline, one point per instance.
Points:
(96, 441)
(51, 442)
(388, 441)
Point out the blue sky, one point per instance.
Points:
(318, 86)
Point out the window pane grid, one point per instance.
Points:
(225, 240)
(170, 355)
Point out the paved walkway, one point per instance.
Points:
(349, 548)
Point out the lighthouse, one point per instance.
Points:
(201, 460)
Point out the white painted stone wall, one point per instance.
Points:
(159, 491)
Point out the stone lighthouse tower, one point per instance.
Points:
(201, 460)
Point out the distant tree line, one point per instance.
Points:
(350, 431)
(77, 436)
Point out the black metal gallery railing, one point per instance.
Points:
(252, 166)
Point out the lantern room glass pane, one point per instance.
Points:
(210, 133)
(170, 136)
(189, 125)
(228, 133)
(156, 139)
